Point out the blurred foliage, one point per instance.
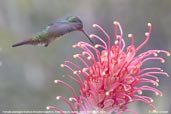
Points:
(27, 73)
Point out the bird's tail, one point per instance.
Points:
(25, 42)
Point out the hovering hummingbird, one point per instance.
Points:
(54, 30)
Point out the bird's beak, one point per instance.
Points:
(87, 36)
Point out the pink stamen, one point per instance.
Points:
(67, 102)
(78, 68)
(153, 58)
(75, 80)
(55, 108)
(147, 37)
(143, 80)
(69, 68)
(101, 40)
(80, 57)
(104, 32)
(67, 85)
(154, 68)
(157, 92)
(132, 37)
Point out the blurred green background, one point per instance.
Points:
(27, 72)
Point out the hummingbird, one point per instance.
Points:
(54, 30)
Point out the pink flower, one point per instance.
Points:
(112, 78)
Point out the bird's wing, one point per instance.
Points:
(59, 29)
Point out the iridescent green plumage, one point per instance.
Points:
(54, 30)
